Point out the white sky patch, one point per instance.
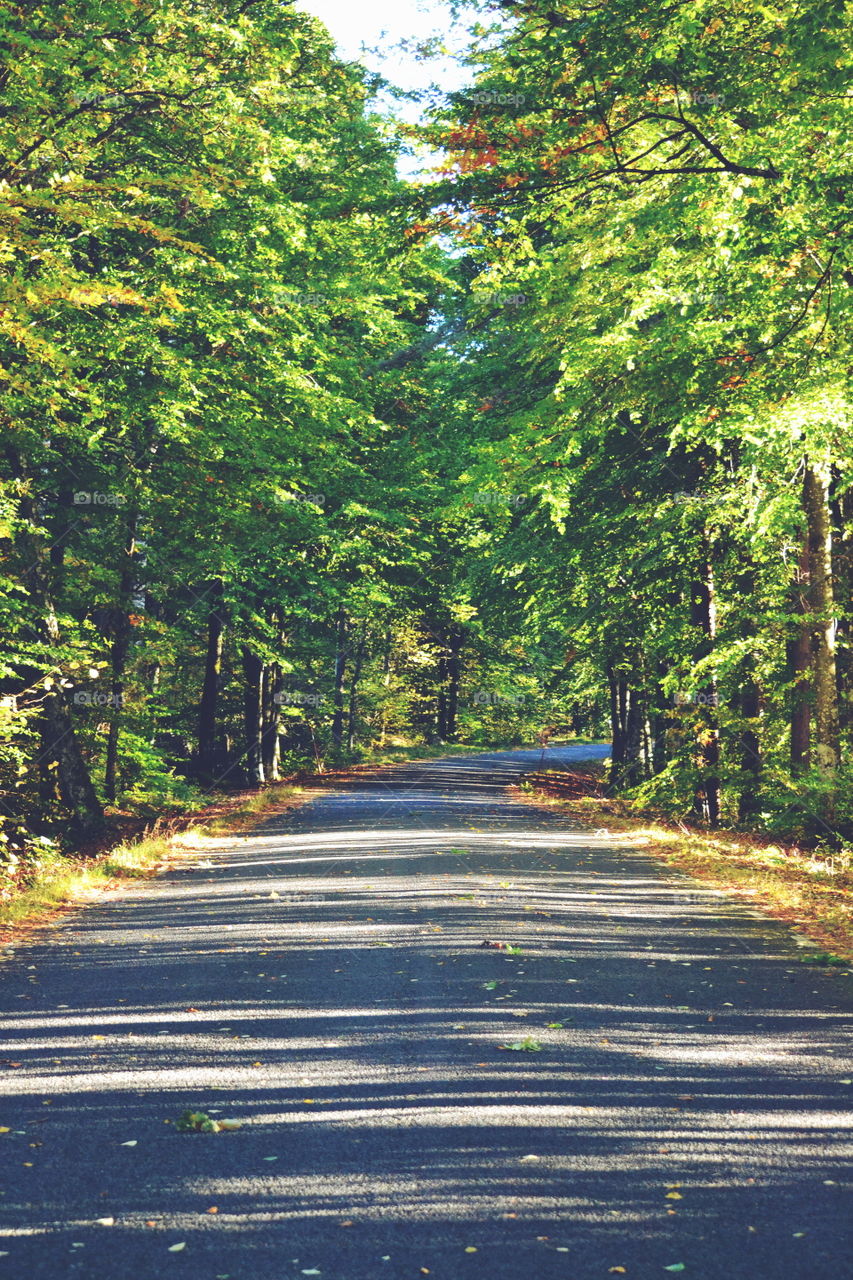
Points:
(383, 35)
(372, 33)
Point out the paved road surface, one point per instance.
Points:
(323, 981)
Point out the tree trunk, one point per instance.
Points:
(841, 504)
(441, 700)
(271, 747)
(253, 671)
(816, 504)
(751, 762)
(628, 728)
(208, 709)
(615, 685)
(749, 704)
(800, 666)
(454, 676)
(119, 648)
(659, 722)
(352, 711)
(704, 617)
(74, 782)
(340, 676)
(386, 685)
(632, 770)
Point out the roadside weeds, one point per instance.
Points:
(71, 880)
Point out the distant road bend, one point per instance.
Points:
(650, 1082)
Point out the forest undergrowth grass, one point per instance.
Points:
(65, 880)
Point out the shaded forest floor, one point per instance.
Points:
(811, 891)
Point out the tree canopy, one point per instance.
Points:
(301, 458)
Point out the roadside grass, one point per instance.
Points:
(809, 890)
(66, 880)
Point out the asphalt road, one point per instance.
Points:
(323, 981)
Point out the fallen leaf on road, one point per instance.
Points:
(200, 1122)
(527, 1045)
(105, 1222)
(177, 1248)
(527, 1159)
(674, 1195)
(470, 1249)
(130, 1143)
(675, 1266)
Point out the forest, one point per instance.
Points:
(303, 458)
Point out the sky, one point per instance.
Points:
(382, 24)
